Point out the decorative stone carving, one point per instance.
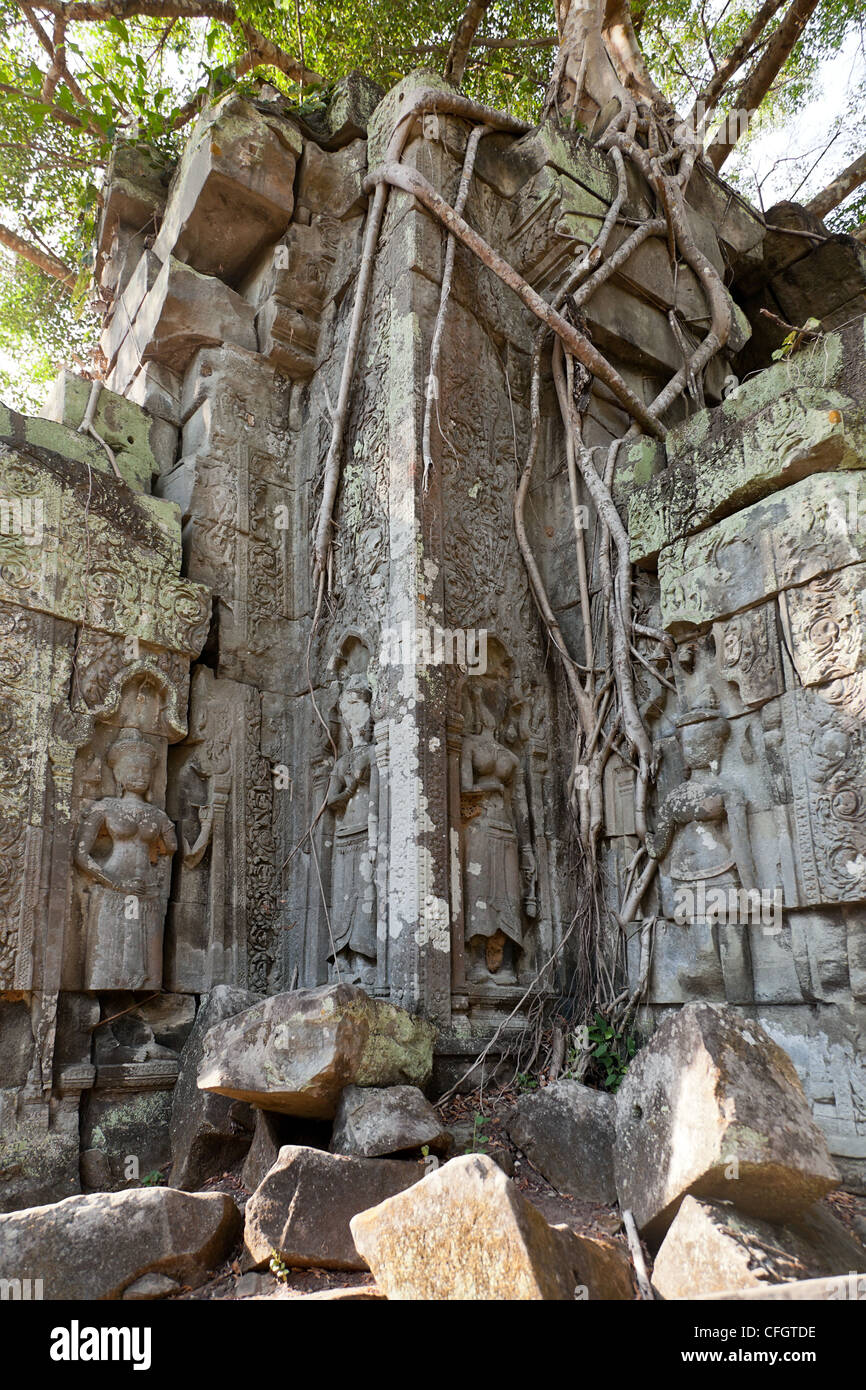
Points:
(702, 840)
(500, 871)
(127, 888)
(353, 797)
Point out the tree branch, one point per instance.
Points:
(58, 70)
(48, 264)
(57, 113)
(263, 49)
(760, 79)
(742, 49)
(467, 28)
(837, 189)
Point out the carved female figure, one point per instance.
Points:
(353, 796)
(703, 837)
(127, 885)
(499, 865)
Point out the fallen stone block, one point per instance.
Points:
(567, 1131)
(712, 1107)
(467, 1232)
(712, 1246)
(150, 1287)
(98, 1245)
(602, 1267)
(303, 1208)
(209, 1133)
(264, 1150)
(373, 1120)
(296, 1052)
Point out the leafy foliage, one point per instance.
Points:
(145, 78)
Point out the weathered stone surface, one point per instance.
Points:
(295, 1052)
(264, 1149)
(383, 1120)
(807, 530)
(712, 1107)
(724, 460)
(842, 1289)
(466, 1232)
(233, 190)
(184, 311)
(150, 1287)
(38, 1163)
(602, 1266)
(96, 1246)
(126, 429)
(567, 1132)
(303, 1208)
(712, 1246)
(209, 1133)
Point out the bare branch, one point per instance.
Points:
(48, 264)
(262, 49)
(837, 189)
(58, 70)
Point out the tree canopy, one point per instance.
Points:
(76, 75)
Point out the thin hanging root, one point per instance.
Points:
(472, 143)
(87, 426)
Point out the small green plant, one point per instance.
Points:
(154, 1179)
(524, 1082)
(811, 329)
(610, 1051)
(479, 1141)
(278, 1267)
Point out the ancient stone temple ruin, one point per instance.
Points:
(232, 757)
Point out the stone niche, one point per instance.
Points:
(208, 778)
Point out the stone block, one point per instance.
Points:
(567, 1131)
(127, 429)
(295, 1052)
(372, 1121)
(798, 534)
(95, 1246)
(209, 1133)
(466, 1232)
(712, 1247)
(722, 461)
(232, 193)
(304, 1206)
(184, 311)
(712, 1107)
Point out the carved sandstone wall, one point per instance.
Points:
(210, 778)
